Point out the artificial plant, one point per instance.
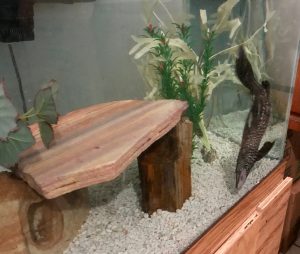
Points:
(15, 135)
(174, 71)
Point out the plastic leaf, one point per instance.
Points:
(222, 22)
(235, 24)
(140, 43)
(146, 49)
(54, 87)
(203, 19)
(46, 132)
(187, 53)
(44, 105)
(17, 141)
(222, 72)
(8, 114)
(269, 16)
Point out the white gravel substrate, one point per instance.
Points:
(117, 225)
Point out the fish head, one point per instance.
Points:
(245, 162)
(241, 177)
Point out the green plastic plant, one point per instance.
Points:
(172, 69)
(15, 135)
(175, 73)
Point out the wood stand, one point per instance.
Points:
(261, 232)
(292, 219)
(292, 162)
(254, 225)
(294, 121)
(165, 170)
(31, 224)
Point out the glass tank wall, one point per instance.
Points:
(105, 50)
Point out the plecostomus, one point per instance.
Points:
(257, 120)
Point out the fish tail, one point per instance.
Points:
(244, 70)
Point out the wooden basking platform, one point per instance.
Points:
(96, 144)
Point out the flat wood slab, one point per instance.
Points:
(96, 144)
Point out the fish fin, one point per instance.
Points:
(264, 150)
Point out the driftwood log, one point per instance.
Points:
(165, 170)
(31, 224)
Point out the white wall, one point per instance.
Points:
(282, 42)
(84, 46)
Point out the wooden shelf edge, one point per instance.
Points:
(292, 218)
(294, 122)
(261, 232)
(212, 239)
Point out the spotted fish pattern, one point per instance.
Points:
(257, 120)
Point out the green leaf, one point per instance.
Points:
(17, 141)
(46, 132)
(44, 105)
(8, 114)
(54, 87)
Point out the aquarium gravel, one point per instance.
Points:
(116, 223)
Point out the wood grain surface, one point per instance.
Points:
(166, 183)
(292, 219)
(96, 144)
(261, 232)
(294, 120)
(32, 224)
(272, 211)
(225, 227)
(296, 96)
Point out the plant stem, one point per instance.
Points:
(206, 67)
(30, 113)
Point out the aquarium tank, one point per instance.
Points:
(232, 62)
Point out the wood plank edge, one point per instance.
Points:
(245, 227)
(68, 186)
(282, 190)
(209, 234)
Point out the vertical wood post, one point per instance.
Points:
(165, 170)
